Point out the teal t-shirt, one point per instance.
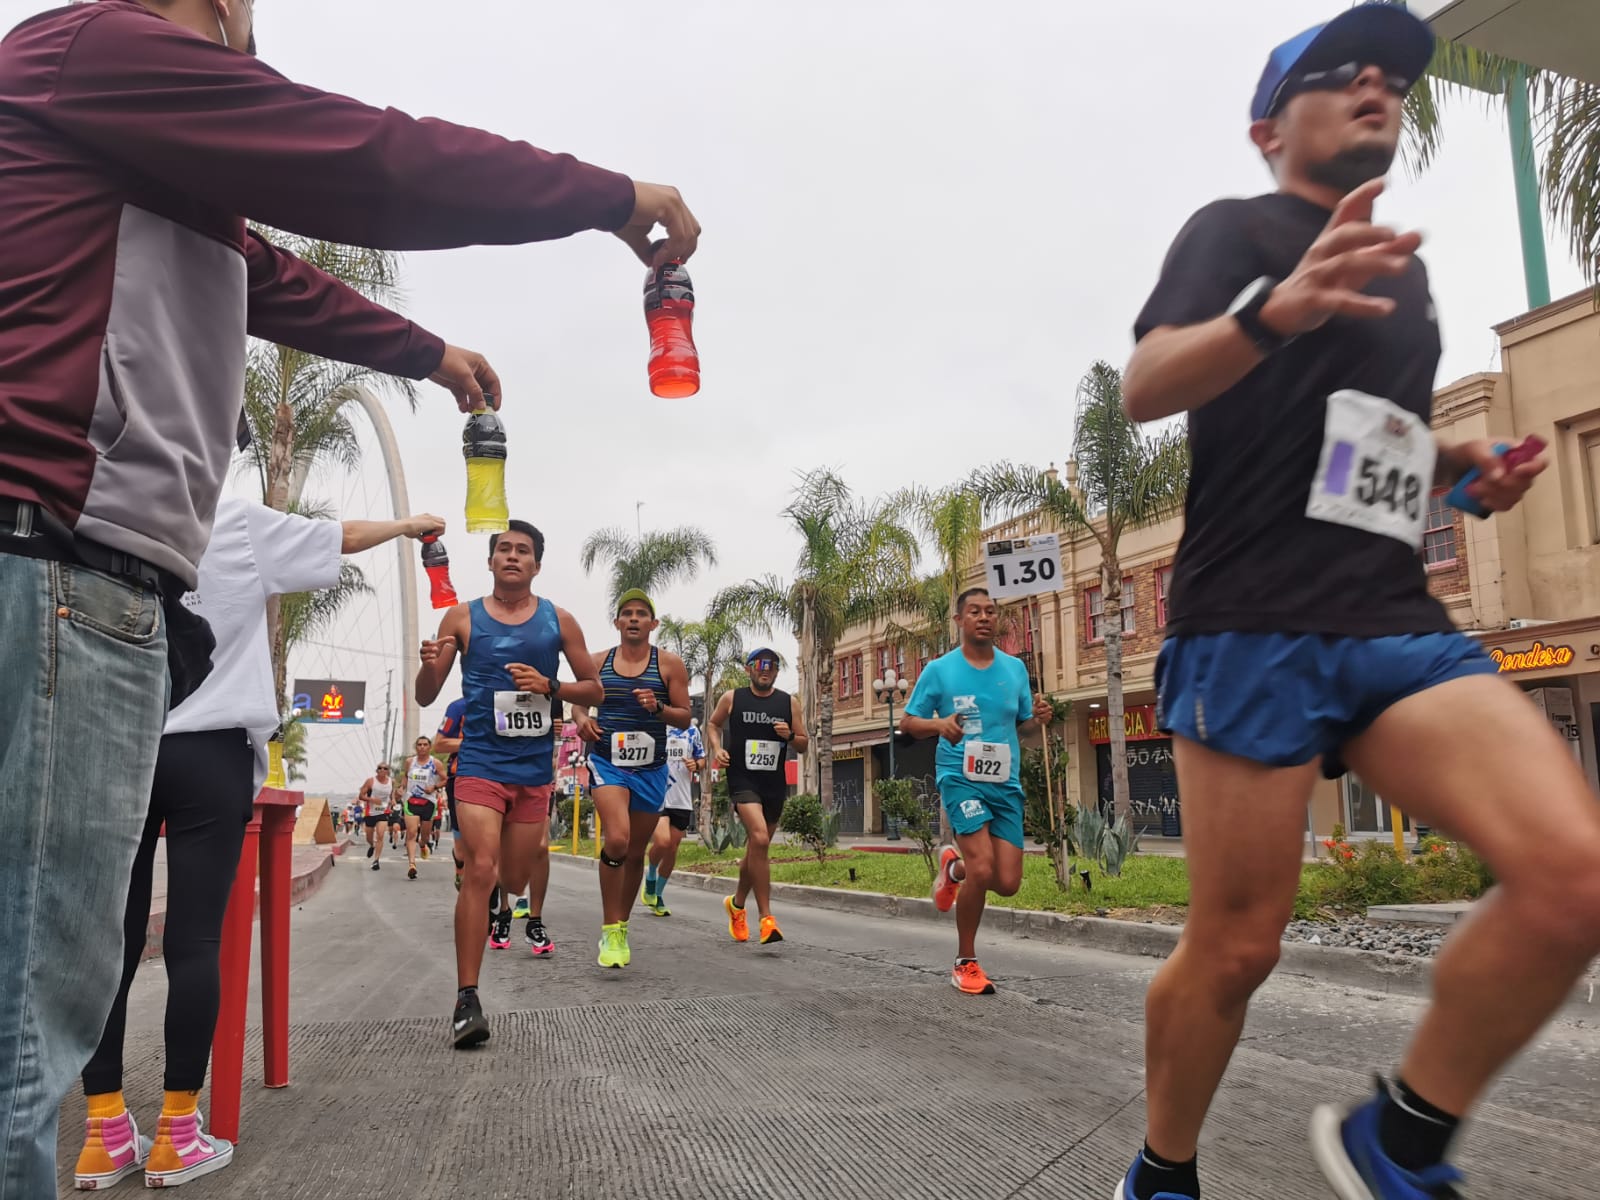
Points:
(991, 702)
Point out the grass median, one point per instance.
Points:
(1150, 883)
(1151, 886)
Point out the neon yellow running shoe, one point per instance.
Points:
(613, 946)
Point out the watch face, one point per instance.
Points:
(1250, 295)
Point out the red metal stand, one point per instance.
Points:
(268, 841)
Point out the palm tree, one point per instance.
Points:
(1565, 113)
(1126, 479)
(855, 556)
(297, 407)
(650, 561)
(951, 518)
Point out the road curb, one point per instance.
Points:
(1366, 969)
(302, 886)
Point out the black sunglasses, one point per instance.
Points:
(1334, 79)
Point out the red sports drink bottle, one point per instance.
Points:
(437, 564)
(669, 312)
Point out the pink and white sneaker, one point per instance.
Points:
(112, 1150)
(184, 1151)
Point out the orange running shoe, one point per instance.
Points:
(968, 977)
(770, 932)
(738, 923)
(945, 886)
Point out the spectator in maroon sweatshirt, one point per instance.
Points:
(135, 140)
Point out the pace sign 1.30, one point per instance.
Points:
(330, 701)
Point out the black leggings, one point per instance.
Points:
(202, 792)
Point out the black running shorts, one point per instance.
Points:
(771, 806)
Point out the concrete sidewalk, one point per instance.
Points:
(310, 867)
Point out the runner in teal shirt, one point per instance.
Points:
(978, 702)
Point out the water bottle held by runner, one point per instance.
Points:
(1510, 456)
(436, 562)
(669, 313)
(483, 443)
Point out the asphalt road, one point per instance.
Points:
(839, 1064)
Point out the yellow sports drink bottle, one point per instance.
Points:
(483, 442)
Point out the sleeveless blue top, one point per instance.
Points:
(485, 753)
(621, 712)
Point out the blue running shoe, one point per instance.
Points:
(1344, 1141)
(1125, 1188)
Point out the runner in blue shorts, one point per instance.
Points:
(1300, 337)
(978, 702)
(646, 690)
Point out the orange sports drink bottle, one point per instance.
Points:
(483, 442)
(437, 564)
(669, 312)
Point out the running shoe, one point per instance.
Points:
(627, 950)
(1125, 1188)
(460, 867)
(183, 1152)
(374, 864)
(538, 938)
(369, 851)
(611, 946)
(112, 1150)
(519, 907)
(945, 886)
(424, 853)
(1344, 1141)
(968, 977)
(411, 871)
(655, 904)
(770, 932)
(468, 1027)
(500, 932)
(738, 923)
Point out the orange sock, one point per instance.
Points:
(106, 1104)
(179, 1104)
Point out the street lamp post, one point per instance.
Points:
(887, 690)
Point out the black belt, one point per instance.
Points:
(29, 530)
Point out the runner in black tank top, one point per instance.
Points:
(646, 690)
(749, 737)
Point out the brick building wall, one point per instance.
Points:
(1446, 581)
(1146, 636)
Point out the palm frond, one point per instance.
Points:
(766, 604)
(306, 614)
(1570, 130)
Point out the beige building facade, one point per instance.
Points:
(1527, 583)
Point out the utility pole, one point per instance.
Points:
(388, 715)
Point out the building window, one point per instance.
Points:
(1031, 628)
(1439, 538)
(1163, 590)
(844, 679)
(855, 674)
(883, 661)
(1590, 449)
(1094, 610)
(924, 652)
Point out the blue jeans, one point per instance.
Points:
(84, 664)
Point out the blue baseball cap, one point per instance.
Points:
(1383, 34)
(763, 652)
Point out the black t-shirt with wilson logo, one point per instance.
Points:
(1308, 497)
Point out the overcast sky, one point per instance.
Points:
(923, 221)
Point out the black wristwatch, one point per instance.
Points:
(555, 687)
(1246, 309)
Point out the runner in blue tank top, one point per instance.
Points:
(510, 644)
(645, 691)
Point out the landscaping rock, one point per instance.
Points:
(1357, 933)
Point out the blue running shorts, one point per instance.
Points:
(1283, 699)
(647, 788)
(973, 805)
